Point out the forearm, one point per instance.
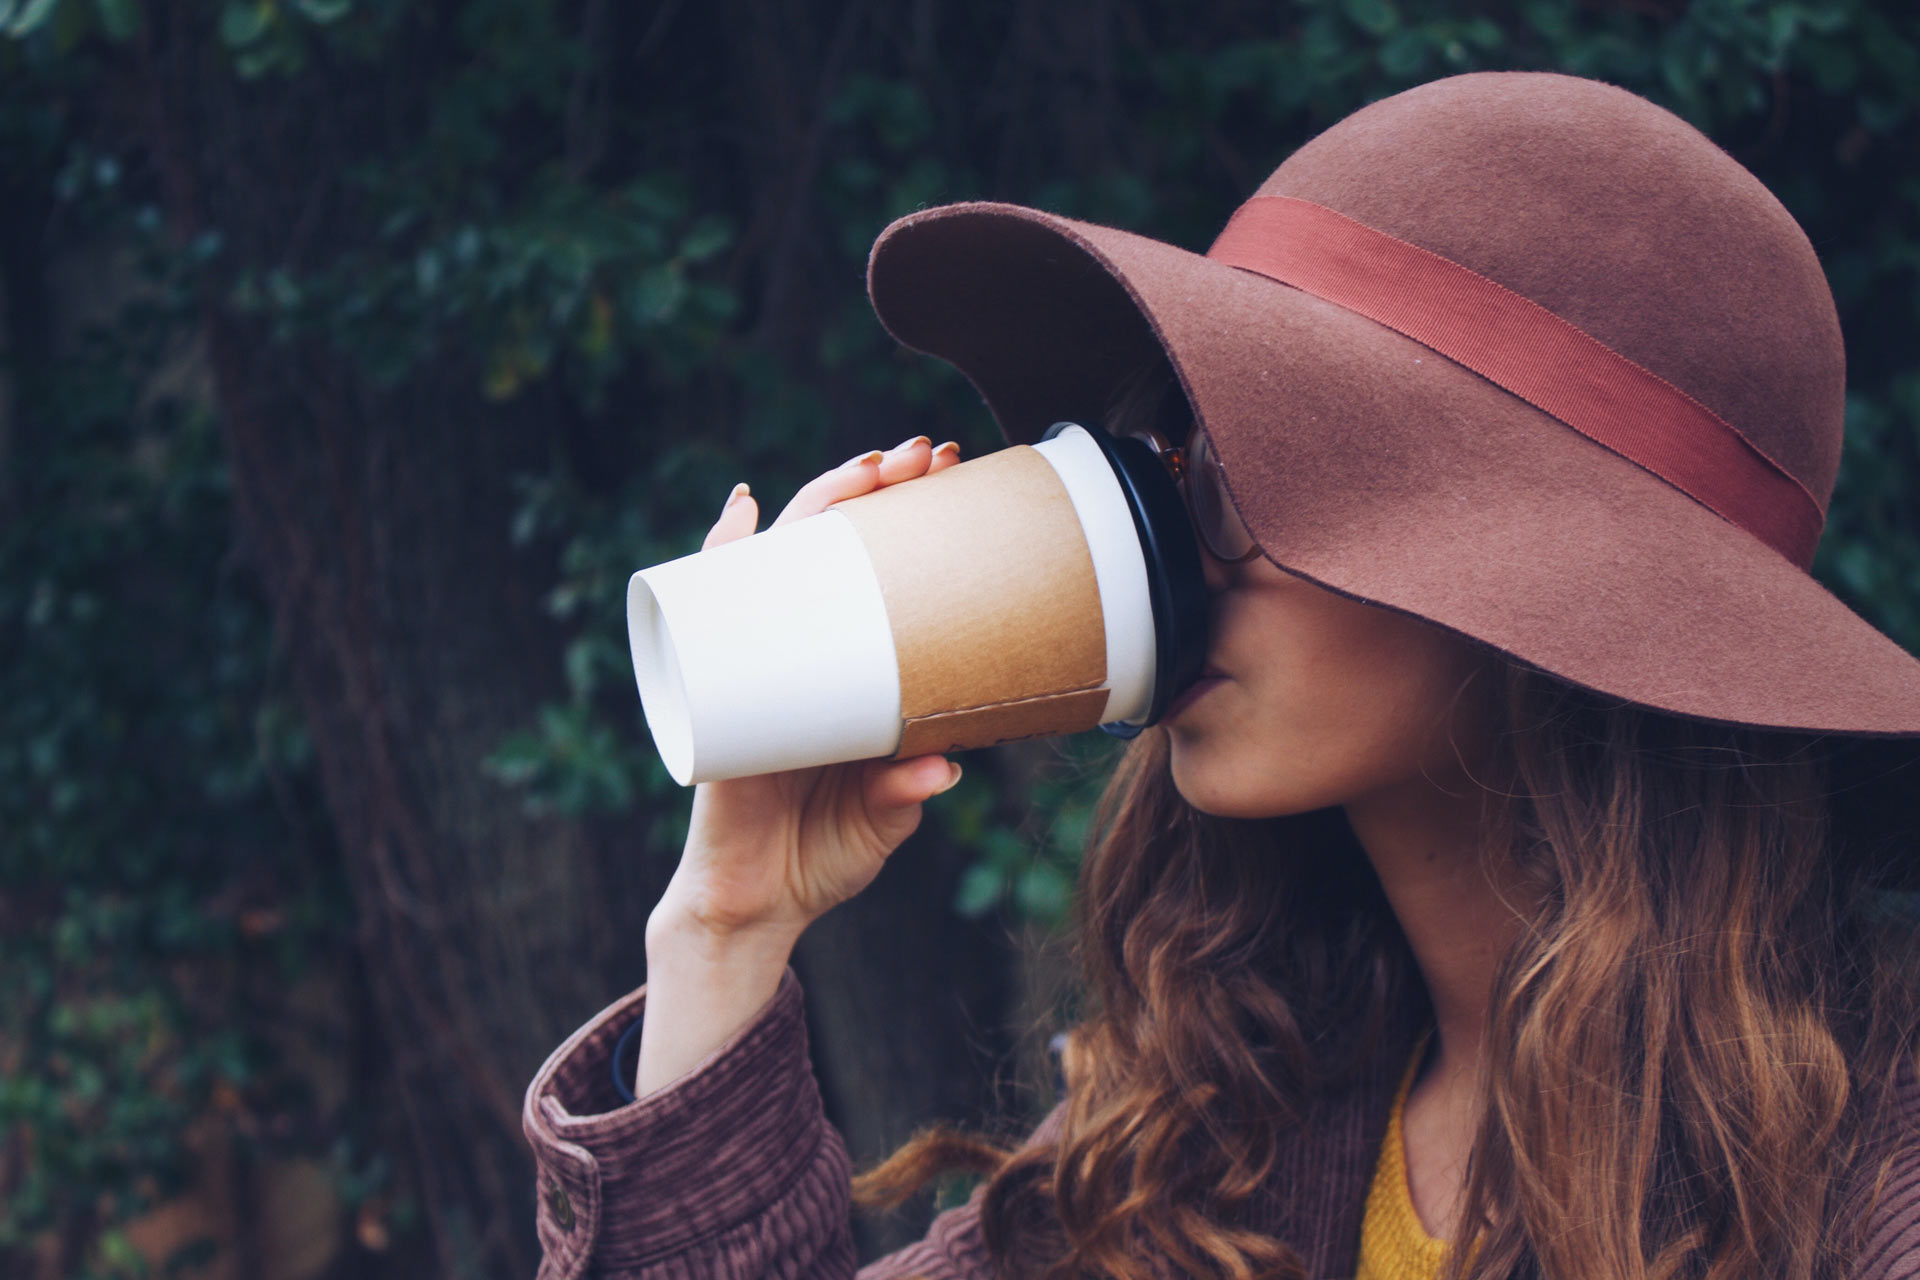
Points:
(702, 987)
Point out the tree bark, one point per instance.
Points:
(378, 520)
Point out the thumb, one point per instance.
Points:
(738, 518)
(902, 784)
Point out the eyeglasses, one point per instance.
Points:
(1196, 471)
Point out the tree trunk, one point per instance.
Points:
(378, 520)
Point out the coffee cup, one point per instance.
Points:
(1038, 590)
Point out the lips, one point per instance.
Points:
(1208, 679)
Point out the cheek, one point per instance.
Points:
(1338, 704)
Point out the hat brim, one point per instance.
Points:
(1375, 467)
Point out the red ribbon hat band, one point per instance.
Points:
(1528, 350)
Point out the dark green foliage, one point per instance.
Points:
(648, 224)
(1028, 853)
(158, 884)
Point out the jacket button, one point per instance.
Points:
(560, 1206)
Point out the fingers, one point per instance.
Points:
(897, 784)
(848, 480)
(738, 518)
(905, 461)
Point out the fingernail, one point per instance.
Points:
(953, 779)
(951, 446)
(905, 445)
(872, 455)
(739, 491)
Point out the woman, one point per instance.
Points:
(1511, 897)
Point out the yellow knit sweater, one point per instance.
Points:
(1393, 1244)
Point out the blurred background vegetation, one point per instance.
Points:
(356, 351)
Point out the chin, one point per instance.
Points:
(1235, 788)
(1214, 790)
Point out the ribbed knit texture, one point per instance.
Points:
(1394, 1244)
(733, 1173)
(1892, 1244)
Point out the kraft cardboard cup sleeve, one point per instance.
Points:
(1005, 597)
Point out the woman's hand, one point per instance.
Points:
(776, 851)
(768, 855)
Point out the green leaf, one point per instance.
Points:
(118, 1251)
(709, 236)
(1858, 567)
(252, 64)
(582, 660)
(1484, 34)
(658, 295)
(242, 24)
(1881, 116)
(1043, 892)
(981, 889)
(1824, 18)
(1405, 54)
(518, 761)
(1375, 17)
(323, 12)
(120, 19)
(23, 19)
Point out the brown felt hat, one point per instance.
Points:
(1521, 354)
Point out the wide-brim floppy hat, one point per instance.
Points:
(1521, 354)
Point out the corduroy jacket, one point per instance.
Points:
(733, 1171)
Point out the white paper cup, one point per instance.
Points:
(1003, 597)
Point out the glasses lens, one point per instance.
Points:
(1219, 525)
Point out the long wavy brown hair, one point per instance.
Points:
(1697, 1031)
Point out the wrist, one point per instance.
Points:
(678, 930)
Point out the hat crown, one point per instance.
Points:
(1618, 217)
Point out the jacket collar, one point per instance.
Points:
(1317, 1192)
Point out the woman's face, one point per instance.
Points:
(1325, 701)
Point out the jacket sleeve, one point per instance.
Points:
(1891, 1247)
(731, 1172)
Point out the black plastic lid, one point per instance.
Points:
(1175, 582)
